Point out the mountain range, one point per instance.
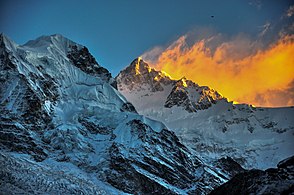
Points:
(207, 122)
(68, 127)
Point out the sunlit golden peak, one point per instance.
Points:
(184, 82)
(165, 74)
(156, 78)
(149, 68)
(141, 66)
(137, 67)
(235, 102)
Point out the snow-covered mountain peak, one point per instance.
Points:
(55, 41)
(139, 77)
(59, 48)
(138, 67)
(7, 43)
(3, 37)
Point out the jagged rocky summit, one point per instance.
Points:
(140, 77)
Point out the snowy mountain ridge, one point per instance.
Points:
(66, 129)
(206, 122)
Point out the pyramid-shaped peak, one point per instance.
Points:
(2, 35)
(183, 79)
(183, 82)
(138, 67)
(5, 41)
(139, 61)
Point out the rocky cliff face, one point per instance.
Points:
(65, 129)
(191, 96)
(82, 59)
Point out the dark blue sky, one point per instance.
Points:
(116, 32)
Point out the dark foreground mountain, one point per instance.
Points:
(278, 180)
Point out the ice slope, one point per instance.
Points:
(254, 137)
(60, 112)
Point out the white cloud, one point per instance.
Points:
(152, 54)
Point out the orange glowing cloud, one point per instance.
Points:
(263, 77)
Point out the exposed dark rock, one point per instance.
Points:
(229, 166)
(95, 128)
(160, 159)
(82, 59)
(22, 112)
(126, 178)
(33, 111)
(179, 97)
(270, 181)
(17, 139)
(288, 162)
(128, 107)
(114, 84)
